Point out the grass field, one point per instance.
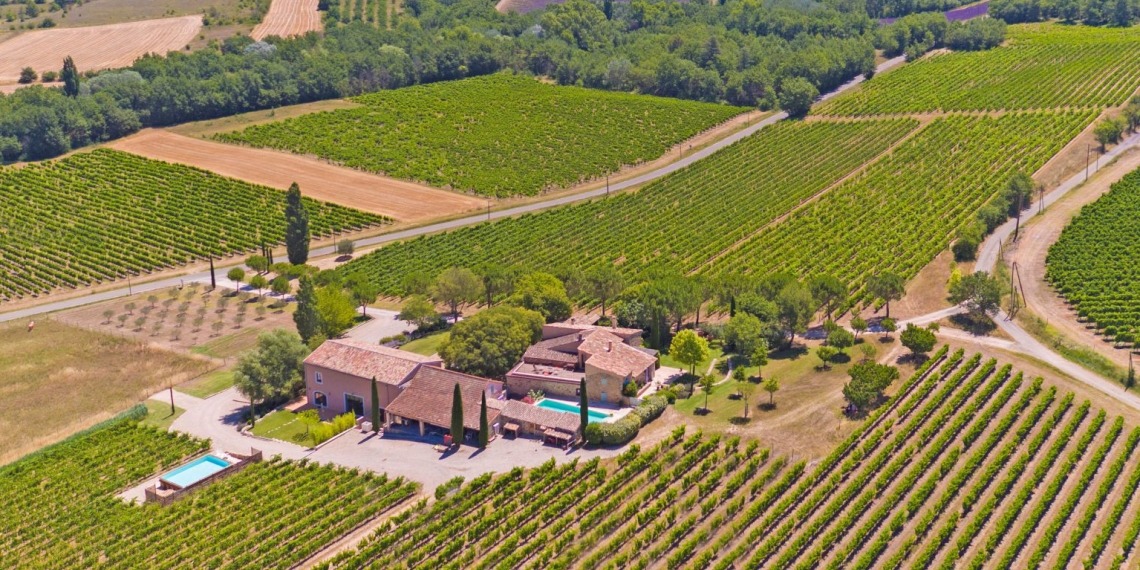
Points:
(1041, 66)
(1094, 262)
(104, 215)
(427, 345)
(535, 136)
(60, 379)
(285, 426)
(679, 222)
(970, 465)
(158, 414)
(207, 385)
(62, 511)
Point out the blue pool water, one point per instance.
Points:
(196, 470)
(571, 409)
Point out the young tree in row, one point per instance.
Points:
(689, 349)
(771, 385)
(456, 416)
(708, 385)
(296, 226)
(826, 354)
(272, 370)
(887, 286)
(745, 389)
(258, 282)
(759, 358)
(237, 275)
(456, 287)
(258, 263)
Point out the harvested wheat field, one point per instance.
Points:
(288, 18)
(95, 47)
(404, 201)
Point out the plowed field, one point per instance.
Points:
(289, 18)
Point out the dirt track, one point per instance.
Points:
(288, 18)
(1042, 232)
(95, 47)
(404, 201)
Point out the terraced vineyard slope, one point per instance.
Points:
(1041, 66)
(106, 214)
(678, 222)
(969, 465)
(1094, 264)
(62, 511)
(499, 135)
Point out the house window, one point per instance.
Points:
(354, 404)
(320, 400)
(319, 378)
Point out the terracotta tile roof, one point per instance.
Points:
(521, 412)
(552, 330)
(597, 341)
(547, 355)
(427, 397)
(623, 360)
(364, 360)
(564, 343)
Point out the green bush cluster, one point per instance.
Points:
(325, 431)
(624, 430)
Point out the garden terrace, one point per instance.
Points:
(968, 464)
(679, 222)
(62, 511)
(106, 214)
(1094, 262)
(499, 135)
(1041, 66)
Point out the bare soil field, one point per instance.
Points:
(404, 201)
(95, 47)
(289, 18)
(208, 128)
(59, 379)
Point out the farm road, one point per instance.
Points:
(368, 243)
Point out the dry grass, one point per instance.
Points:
(59, 379)
(289, 18)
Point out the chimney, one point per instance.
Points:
(610, 346)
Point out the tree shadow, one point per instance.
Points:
(702, 411)
(977, 325)
(740, 421)
(766, 406)
(789, 353)
(841, 358)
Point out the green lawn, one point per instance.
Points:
(715, 353)
(427, 345)
(158, 414)
(207, 385)
(284, 426)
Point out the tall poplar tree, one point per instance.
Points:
(296, 226)
(70, 77)
(306, 317)
(456, 416)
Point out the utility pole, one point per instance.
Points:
(1017, 222)
(213, 278)
(129, 290)
(488, 210)
(1088, 152)
(171, 388)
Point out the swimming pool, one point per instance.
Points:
(568, 408)
(196, 470)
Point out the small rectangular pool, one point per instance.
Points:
(568, 408)
(196, 470)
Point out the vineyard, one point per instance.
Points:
(61, 510)
(1042, 66)
(898, 214)
(970, 465)
(373, 12)
(1094, 262)
(534, 136)
(106, 214)
(677, 222)
(904, 209)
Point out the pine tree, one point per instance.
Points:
(70, 77)
(484, 427)
(306, 317)
(375, 406)
(296, 226)
(457, 416)
(583, 405)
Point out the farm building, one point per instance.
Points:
(607, 358)
(339, 373)
(425, 400)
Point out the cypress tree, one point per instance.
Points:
(70, 77)
(306, 317)
(457, 416)
(583, 406)
(484, 427)
(375, 407)
(296, 226)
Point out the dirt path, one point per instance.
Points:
(288, 18)
(94, 47)
(404, 201)
(1041, 233)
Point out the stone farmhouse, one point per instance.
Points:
(608, 358)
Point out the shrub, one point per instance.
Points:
(629, 389)
(593, 433)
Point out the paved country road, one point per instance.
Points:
(450, 224)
